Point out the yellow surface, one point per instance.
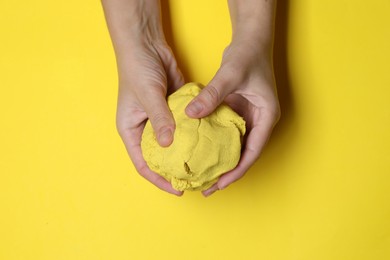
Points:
(321, 189)
(202, 149)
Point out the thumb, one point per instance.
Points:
(211, 96)
(161, 118)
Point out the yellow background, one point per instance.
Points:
(321, 189)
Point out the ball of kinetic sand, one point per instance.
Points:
(202, 149)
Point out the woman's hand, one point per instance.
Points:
(147, 72)
(245, 81)
(143, 86)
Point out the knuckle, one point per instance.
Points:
(274, 112)
(212, 94)
(161, 120)
(142, 171)
(278, 116)
(121, 129)
(277, 113)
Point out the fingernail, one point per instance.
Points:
(210, 191)
(165, 137)
(195, 107)
(179, 193)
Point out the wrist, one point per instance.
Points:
(133, 23)
(145, 23)
(251, 46)
(253, 23)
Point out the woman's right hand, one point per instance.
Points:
(145, 78)
(147, 72)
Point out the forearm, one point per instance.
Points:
(253, 21)
(131, 22)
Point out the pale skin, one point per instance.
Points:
(148, 72)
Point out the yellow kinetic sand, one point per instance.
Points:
(202, 149)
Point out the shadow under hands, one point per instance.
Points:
(281, 68)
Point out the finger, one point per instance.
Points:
(160, 117)
(132, 139)
(158, 180)
(212, 95)
(255, 143)
(210, 190)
